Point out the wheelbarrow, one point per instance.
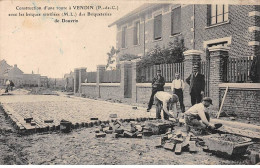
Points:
(227, 143)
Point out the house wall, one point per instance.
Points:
(236, 30)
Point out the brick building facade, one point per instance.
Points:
(201, 26)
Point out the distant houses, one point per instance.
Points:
(8, 72)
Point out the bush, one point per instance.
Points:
(172, 54)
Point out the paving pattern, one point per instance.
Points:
(74, 109)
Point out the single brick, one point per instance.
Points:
(147, 133)
(139, 128)
(28, 120)
(82, 124)
(121, 135)
(109, 131)
(158, 142)
(76, 125)
(91, 124)
(100, 135)
(129, 134)
(97, 130)
(33, 123)
(119, 131)
(178, 149)
(169, 146)
(192, 146)
(48, 121)
(139, 135)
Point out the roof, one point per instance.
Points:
(4, 67)
(138, 11)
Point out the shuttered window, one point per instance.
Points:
(123, 37)
(176, 21)
(137, 33)
(158, 27)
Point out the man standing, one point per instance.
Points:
(157, 85)
(177, 88)
(11, 85)
(197, 85)
(7, 83)
(165, 100)
(198, 116)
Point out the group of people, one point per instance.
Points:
(9, 85)
(197, 115)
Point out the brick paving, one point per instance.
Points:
(74, 109)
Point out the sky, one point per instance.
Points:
(37, 43)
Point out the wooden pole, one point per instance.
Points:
(222, 103)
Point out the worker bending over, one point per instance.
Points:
(164, 100)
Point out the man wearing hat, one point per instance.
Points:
(157, 85)
(197, 85)
(197, 116)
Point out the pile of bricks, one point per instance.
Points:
(178, 141)
(133, 129)
(123, 130)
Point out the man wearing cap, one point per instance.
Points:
(197, 116)
(197, 85)
(157, 85)
(165, 101)
(177, 88)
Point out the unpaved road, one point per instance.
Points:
(81, 147)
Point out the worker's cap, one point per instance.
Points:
(159, 71)
(208, 99)
(177, 73)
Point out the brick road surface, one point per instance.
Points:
(76, 110)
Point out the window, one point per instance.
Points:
(124, 37)
(224, 44)
(176, 21)
(137, 33)
(158, 27)
(218, 14)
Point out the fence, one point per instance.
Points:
(91, 77)
(237, 70)
(112, 76)
(146, 75)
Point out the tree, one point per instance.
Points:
(128, 57)
(111, 56)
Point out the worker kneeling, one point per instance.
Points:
(198, 117)
(165, 101)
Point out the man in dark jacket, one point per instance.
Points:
(157, 85)
(197, 85)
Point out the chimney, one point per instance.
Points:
(15, 65)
